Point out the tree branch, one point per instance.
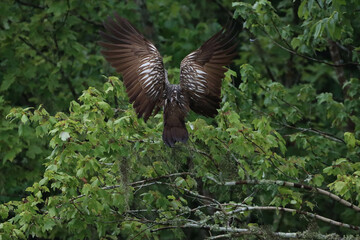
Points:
(310, 58)
(158, 178)
(271, 157)
(29, 4)
(323, 134)
(206, 155)
(37, 51)
(335, 56)
(289, 184)
(242, 231)
(63, 77)
(309, 214)
(135, 184)
(227, 235)
(233, 231)
(280, 183)
(340, 73)
(90, 21)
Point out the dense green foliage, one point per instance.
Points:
(281, 159)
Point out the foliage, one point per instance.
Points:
(283, 150)
(20, 152)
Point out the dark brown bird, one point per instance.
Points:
(146, 82)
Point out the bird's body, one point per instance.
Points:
(146, 82)
(176, 107)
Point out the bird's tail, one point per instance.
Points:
(173, 134)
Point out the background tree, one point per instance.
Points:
(280, 160)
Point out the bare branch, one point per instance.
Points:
(289, 184)
(233, 231)
(214, 228)
(227, 235)
(309, 214)
(179, 223)
(280, 183)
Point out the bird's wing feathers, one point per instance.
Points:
(202, 70)
(138, 60)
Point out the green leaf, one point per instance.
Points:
(349, 139)
(4, 212)
(241, 173)
(24, 119)
(295, 43)
(340, 187)
(7, 81)
(318, 29)
(302, 10)
(318, 179)
(310, 205)
(48, 224)
(86, 189)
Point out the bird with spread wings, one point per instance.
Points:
(146, 81)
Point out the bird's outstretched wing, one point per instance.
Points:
(138, 60)
(202, 70)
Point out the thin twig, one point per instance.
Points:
(323, 134)
(160, 177)
(307, 57)
(37, 51)
(150, 180)
(206, 155)
(90, 21)
(29, 4)
(67, 80)
(270, 159)
(138, 234)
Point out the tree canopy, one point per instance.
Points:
(280, 160)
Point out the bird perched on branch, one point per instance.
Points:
(146, 81)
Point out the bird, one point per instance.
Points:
(146, 79)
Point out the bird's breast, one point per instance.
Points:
(176, 99)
